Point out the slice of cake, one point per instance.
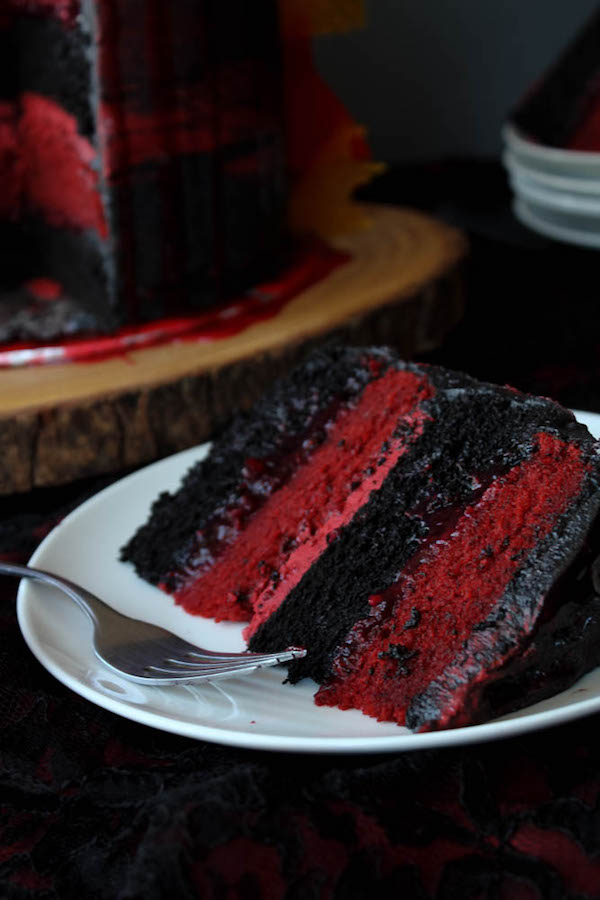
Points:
(142, 168)
(428, 538)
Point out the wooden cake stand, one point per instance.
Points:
(401, 286)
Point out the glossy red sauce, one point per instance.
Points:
(454, 584)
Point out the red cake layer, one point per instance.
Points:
(48, 166)
(453, 585)
(242, 557)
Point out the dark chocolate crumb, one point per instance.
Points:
(413, 620)
(401, 654)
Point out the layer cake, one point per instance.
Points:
(142, 163)
(430, 539)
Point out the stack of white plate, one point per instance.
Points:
(557, 192)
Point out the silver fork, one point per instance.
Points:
(146, 653)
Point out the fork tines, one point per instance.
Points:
(203, 664)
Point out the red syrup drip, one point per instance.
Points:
(260, 304)
(454, 583)
(265, 545)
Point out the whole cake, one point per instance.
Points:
(142, 167)
(430, 539)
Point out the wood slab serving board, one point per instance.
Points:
(401, 286)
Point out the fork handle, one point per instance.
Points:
(86, 601)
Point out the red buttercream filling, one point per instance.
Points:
(261, 555)
(418, 627)
(47, 165)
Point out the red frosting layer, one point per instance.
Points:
(47, 165)
(260, 560)
(454, 584)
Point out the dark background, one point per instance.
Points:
(435, 77)
(433, 82)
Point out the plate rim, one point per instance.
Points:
(523, 212)
(577, 184)
(562, 201)
(519, 723)
(571, 159)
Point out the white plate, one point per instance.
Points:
(562, 201)
(583, 185)
(554, 160)
(258, 711)
(580, 230)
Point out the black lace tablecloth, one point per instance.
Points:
(95, 806)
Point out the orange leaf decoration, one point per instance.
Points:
(328, 155)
